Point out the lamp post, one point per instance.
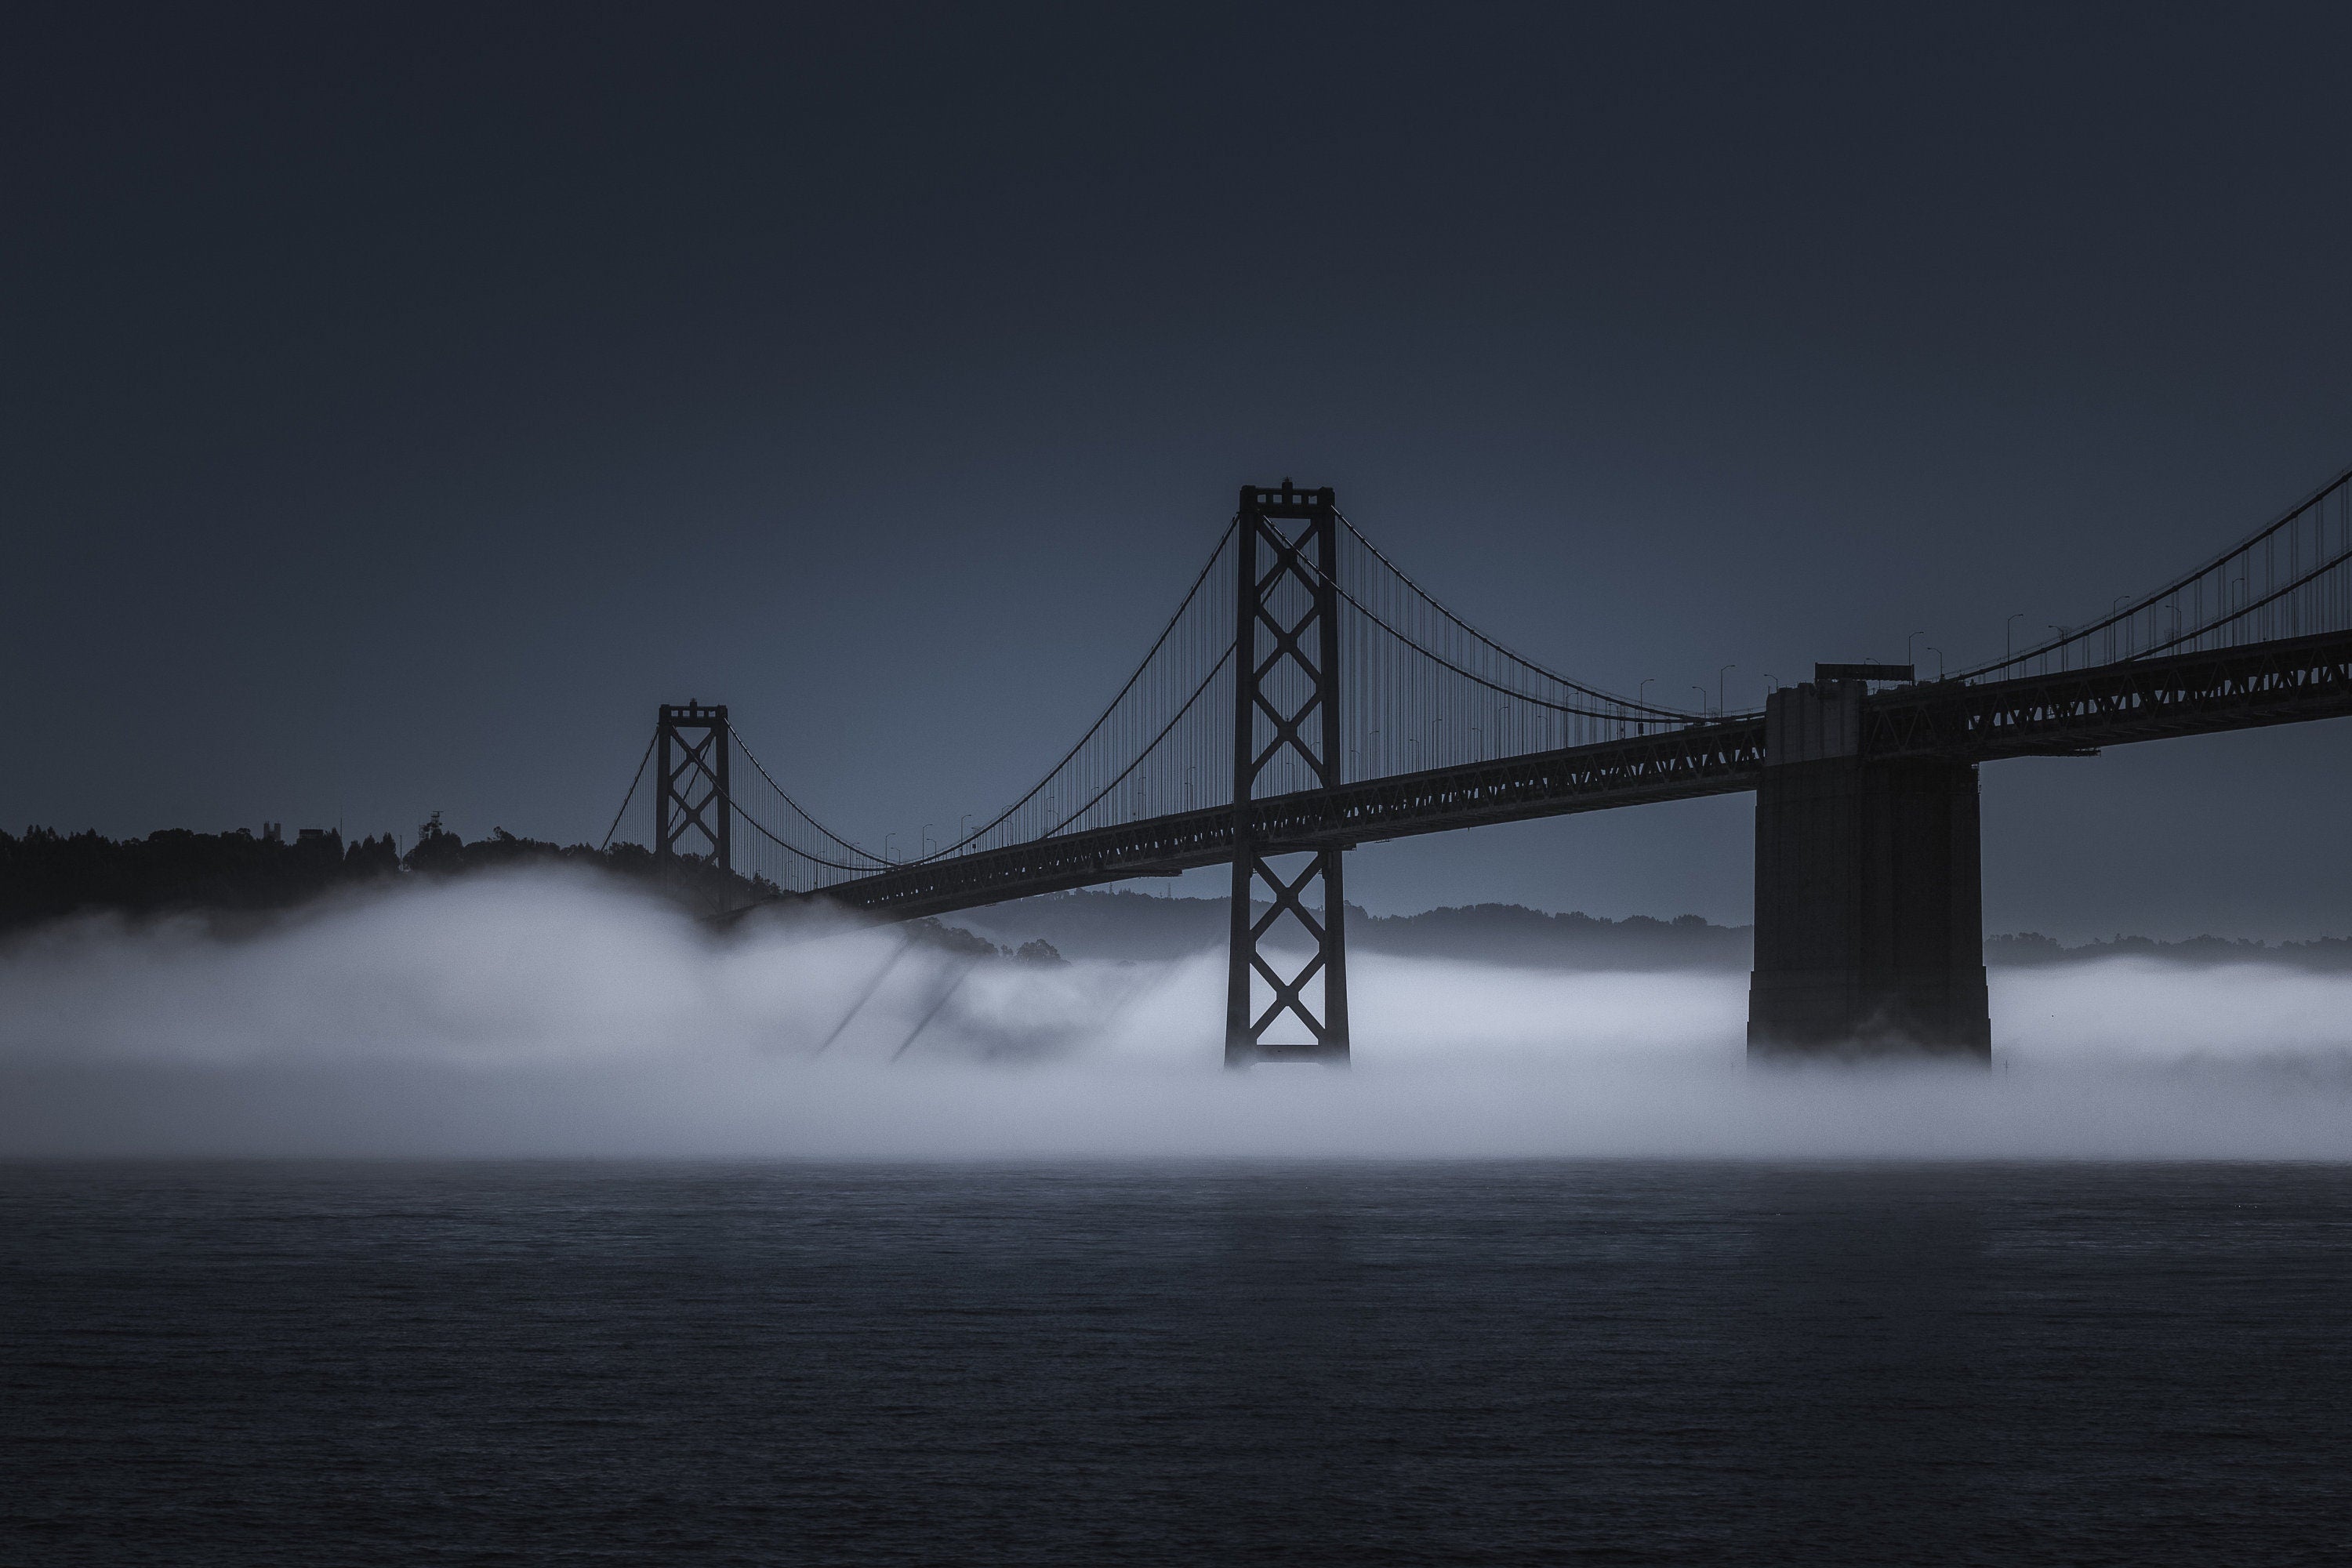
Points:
(1718, 687)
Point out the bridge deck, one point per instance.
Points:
(1706, 758)
(2285, 681)
(2200, 693)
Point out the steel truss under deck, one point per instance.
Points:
(1678, 764)
(2280, 682)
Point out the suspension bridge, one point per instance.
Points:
(1307, 696)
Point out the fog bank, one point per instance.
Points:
(545, 1014)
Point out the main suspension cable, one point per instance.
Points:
(635, 780)
(801, 811)
(1434, 602)
(1144, 755)
(2154, 597)
(1054, 771)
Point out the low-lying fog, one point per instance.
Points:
(546, 1015)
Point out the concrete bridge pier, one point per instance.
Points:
(1869, 902)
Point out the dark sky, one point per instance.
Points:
(399, 404)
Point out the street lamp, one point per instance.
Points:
(1718, 687)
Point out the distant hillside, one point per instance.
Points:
(1138, 926)
(2028, 949)
(1142, 928)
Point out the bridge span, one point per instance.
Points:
(1308, 697)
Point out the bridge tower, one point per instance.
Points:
(1869, 900)
(1286, 739)
(693, 795)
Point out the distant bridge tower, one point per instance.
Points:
(1869, 902)
(691, 811)
(1286, 739)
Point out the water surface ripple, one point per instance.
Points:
(1541, 1363)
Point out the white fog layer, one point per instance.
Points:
(543, 1015)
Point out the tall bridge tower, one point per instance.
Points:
(1286, 739)
(691, 804)
(1869, 900)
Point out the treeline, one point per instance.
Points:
(46, 875)
(2027, 949)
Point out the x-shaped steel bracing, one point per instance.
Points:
(1268, 638)
(691, 794)
(695, 761)
(1288, 993)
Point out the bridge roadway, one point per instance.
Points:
(1677, 765)
(2285, 681)
(2063, 713)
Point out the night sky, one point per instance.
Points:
(400, 404)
